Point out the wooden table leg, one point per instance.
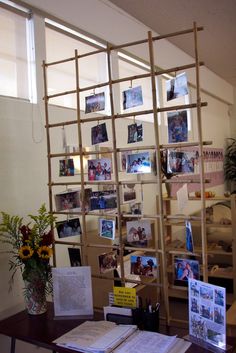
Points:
(13, 345)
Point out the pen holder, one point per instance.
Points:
(150, 321)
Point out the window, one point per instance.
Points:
(13, 54)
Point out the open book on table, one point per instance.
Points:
(96, 336)
(106, 336)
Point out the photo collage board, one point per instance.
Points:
(139, 232)
(207, 313)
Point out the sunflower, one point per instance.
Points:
(25, 252)
(44, 252)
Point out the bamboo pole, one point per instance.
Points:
(115, 159)
(48, 155)
(159, 183)
(82, 191)
(201, 164)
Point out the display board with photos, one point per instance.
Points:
(127, 160)
(207, 313)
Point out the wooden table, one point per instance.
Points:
(42, 330)
(231, 320)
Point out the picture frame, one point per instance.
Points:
(68, 228)
(95, 103)
(99, 169)
(132, 97)
(99, 134)
(138, 163)
(107, 228)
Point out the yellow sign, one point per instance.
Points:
(125, 297)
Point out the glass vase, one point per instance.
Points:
(35, 296)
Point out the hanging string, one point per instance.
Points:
(64, 141)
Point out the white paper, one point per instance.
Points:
(145, 341)
(72, 291)
(182, 197)
(96, 336)
(207, 308)
(116, 310)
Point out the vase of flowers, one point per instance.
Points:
(31, 250)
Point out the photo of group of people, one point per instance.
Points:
(186, 269)
(101, 200)
(99, 134)
(95, 103)
(207, 310)
(177, 126)
(138, 232)
(107, 261)
(143, 266)
(68, 228)
(177, 87)
(138, 163)
(135, 133)
(99, 169)
(132, 97)
(70, 200)
(66, 167)
(107, 228)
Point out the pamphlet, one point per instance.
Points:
(72, 291)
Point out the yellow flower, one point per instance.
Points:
(25, 252)
(44, 252)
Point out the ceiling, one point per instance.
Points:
(217, 43)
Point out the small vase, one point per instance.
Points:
(35, 297)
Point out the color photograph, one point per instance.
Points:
(128, 193)
(99, 134)
(185, 269)
(75, 258)
(135, 133)
(107, 262)
(68, 200)
(68, 228)
(132, 97)
(95, 103)
(101, 200)
(138, 163)
(99, 169)
(177, 126)
(138, 232)
(66, 167)
(107, 228)
(143, 266)
(177, 87)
